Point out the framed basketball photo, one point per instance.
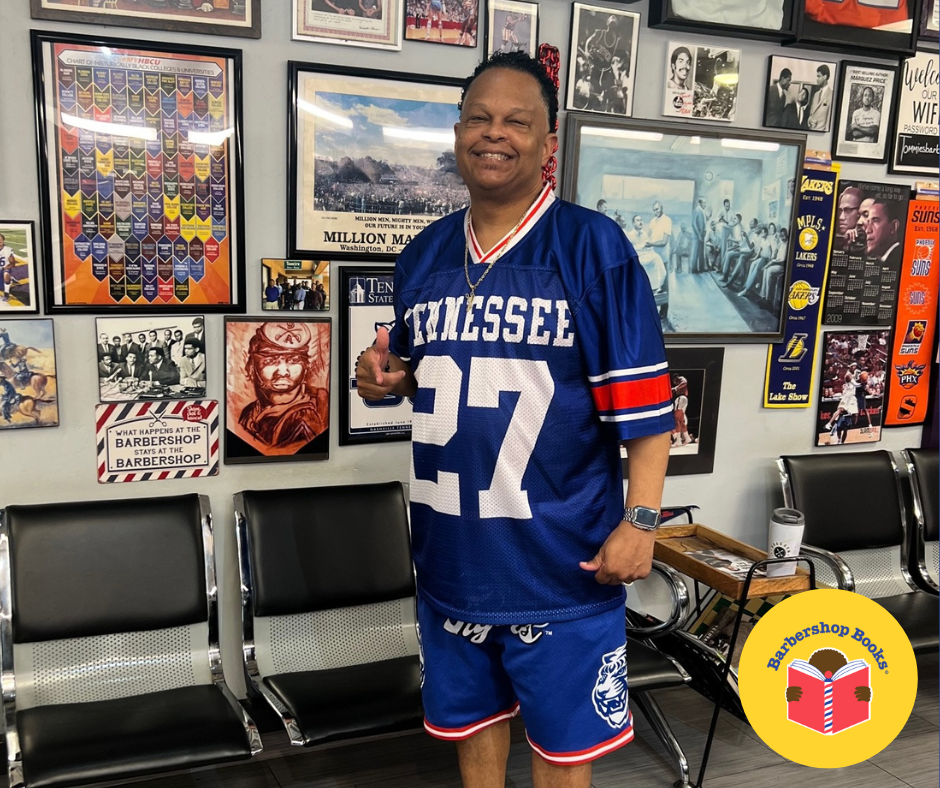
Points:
(453, 22)
(512, 26)
(18, 292)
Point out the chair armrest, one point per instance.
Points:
(680, 603)
(839, 567)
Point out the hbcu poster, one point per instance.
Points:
(917, 318)
(790, 363)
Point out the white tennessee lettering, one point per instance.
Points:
(517, 320)
(475, 633)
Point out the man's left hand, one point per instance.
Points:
(627, 555)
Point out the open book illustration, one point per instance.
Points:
(829, 705)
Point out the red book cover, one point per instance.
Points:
(810, 711)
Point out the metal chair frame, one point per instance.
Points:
(918, 538)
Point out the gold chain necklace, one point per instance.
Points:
(466, 255)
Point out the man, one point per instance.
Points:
(525, 293)
(142, 344)
(699, 229)
(652, 263)
(602, 206)
(272, 295)
(159, 372)
(176, 347)
(850, 202)
(599, 50)
(192, 367)
(153, 342)
(713, 247)
(680, 67)
(822, 101)
(680, 406)
(882, 223)
(198, 334)
(778, 98)
(661, 234)
(288, 409)
(119, 349)
(107, 369)
(510, 41)
(866, 120)
(131, 369)
(7, 262)
(105, 348)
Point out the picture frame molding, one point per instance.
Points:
(887, 112)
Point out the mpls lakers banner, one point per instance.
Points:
(917, 318)
(790, 363)
(151, 441)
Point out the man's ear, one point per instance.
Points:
(550, 147)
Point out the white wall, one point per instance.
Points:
(59, 464)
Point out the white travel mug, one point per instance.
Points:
(784, 537)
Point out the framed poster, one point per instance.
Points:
(18, 269)
(770, 19)
(865, 27)
(437, 22)
(295, 285)
(705, 209)
(151, 358)
(362, 23)
(140, 175)
(277, 389)
(914, 146)
(701, 82)
(371, 160)
(367, 293)
(865, 261)
(512, 26)
(208, 17)
(602, 64)
(29, 388)
(852, 387)
(863, 112)
(799, 94)
(929, 22)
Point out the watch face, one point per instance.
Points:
(645, 516)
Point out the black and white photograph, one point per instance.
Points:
(150, 358)
(602, 66)
(454, 22)
(914, 141)
(512, 26)
(301, 285)
(852, 387)
(701, 82)
(800, 94)
(865, 99)
(362, 23)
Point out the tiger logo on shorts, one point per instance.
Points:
(610, 689)
(420, 654)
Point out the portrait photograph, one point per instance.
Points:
(295, 285)
(18, 291)
(453, 22)
(863, 112)
(852, 387)
(705, 212)
(512, 26)
(800, 94)
(371, 162)
(277, 389)
(28, 384)
(150, 358)
(363, 23)
(701, 82)
(602, 65)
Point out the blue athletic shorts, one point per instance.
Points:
(567, 679)
(437, 5)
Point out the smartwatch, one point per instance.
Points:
(642, 517)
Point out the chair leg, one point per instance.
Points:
(654, 715)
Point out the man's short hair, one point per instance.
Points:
(785, 73)
(526, 64)
(853, 191)
(636, 216)
(824, 70)
(157, 350)
(891, 207)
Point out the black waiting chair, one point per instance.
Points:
(856, 527)
(328, 609)
(923, 472)
(109, 635)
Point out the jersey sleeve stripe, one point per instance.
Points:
(626, 373)
(626, 394)
(645, 414)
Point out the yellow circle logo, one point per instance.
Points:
(802, 295)
(808, 238)
(827, 678)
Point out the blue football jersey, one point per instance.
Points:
(522, 401)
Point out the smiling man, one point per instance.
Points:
(527, 334)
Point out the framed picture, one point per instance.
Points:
(914, 145)
(297, 285)
(367, 293)
(701, 82)
(696, 389)
(799, 94)
(151, 358)
(512, 26)
(706, 210)
(929, 22)
(771, 19)
(436, 22)
(208, 17)
(277, 389)
(864, 27)
(863, 112)
(852, 387)
(362, 23)
(18, 268)
(602, 65)
(371, 160)
(140, 175)
(29, 388)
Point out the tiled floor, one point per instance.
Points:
(738, 759)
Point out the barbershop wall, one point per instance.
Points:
(58, 464)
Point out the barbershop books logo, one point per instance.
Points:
(827, 678)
